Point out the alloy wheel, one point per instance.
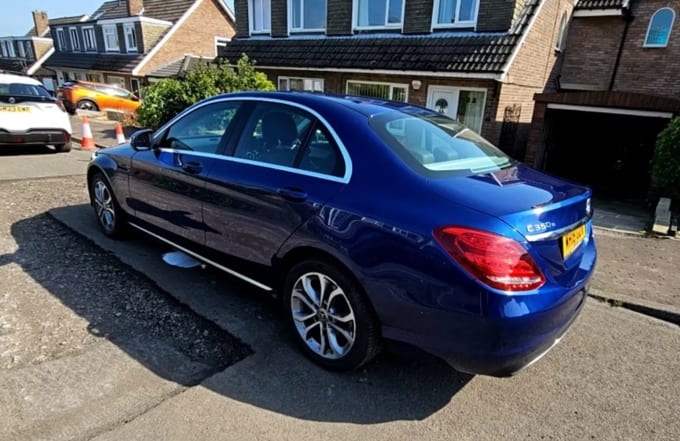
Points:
(323, 315)
(104, 206)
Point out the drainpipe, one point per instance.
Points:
(628, 17)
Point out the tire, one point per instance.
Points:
(62, 148)
(110, 216)
(343, 334)
(87, 105)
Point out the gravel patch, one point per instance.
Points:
(61, 294)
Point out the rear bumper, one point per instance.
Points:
(509, 345)
(35, 136)
(497, 346)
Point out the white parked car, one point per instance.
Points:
(30, 115)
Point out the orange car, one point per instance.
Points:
(87, 95)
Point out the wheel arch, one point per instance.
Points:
(283, 264)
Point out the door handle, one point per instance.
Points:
(293, 194)
(192, 167)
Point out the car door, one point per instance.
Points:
(167, 182)
(280, 171)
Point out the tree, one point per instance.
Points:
(166, 98)
(666, 166)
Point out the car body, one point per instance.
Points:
(30, 115)
(371, 219)
(88, 95)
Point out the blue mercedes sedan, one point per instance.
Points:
(371, 220)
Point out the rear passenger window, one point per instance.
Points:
(322, 155)
(274, 134)
(288, 136)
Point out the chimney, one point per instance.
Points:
(135, 7)
(41, 22)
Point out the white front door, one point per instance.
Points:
(443, 100)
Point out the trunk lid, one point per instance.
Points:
(552, 214)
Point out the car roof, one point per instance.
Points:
(365, 105)
(10, 78)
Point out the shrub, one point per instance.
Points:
(166, 98)
(666, 166)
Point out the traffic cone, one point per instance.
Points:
(120, 136)
(88, 140)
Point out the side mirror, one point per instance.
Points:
(135, 98)
(142, 139)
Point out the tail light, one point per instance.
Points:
(495, 260)
(60, 104)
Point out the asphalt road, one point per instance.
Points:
(94, 360)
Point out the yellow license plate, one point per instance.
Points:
(15, 109)
(572, 240)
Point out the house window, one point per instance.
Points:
(130, 37)
(561, 42)
(10, 48)
(301, 84)
(61, 39)
(260, 16)
(220, 42)
(659, 29)
(471, 108)
(385, 91)
(22, 52)
(111, 38)
(89, 39)
(378, 13)
(75, 43)
(29, 49)
(453, 13)
(307, 15)
(3, 48)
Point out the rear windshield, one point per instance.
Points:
(14, 93)
(23, 90)
(434, 144)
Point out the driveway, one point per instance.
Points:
(99, 339)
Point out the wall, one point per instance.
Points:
(533, 70)
(195, 36)
(655, 71)
(151, 33)
(336, 83)
(592, 45)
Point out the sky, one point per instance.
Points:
(16, 18)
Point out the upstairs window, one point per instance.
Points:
(130, 37)
(29, 49)
(90, 42)
(379, 13)
(307, 15)
(3, 48)
(260, 16)
(22, 53)
(111, 38)
(75, 43)
(659, 29)
(455, 13)
(61, 39)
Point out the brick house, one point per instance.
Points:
(616, 89)
(26, 54)
(480, 61)
(125, 40)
